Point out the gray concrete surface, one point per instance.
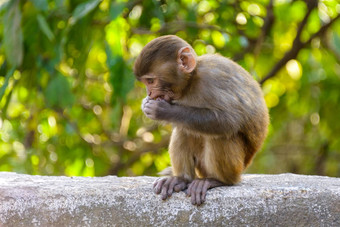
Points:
(259, 200)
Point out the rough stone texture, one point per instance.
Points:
(259, 200)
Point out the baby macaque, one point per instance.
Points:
(217, 110)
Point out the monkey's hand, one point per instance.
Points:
(166, 186)
(156, 109)
(198, 188)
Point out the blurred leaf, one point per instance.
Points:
(116, 8)
(4, 86)
(58, 92)
(121, 77)
(45, 27)
(82, 10)
(13, 40)
(40, 4)
(336, 41)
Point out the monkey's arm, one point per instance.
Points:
(199, 119)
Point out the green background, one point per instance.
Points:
(70, 105)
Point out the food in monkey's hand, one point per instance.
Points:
(217, 110)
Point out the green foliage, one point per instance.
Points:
(12, 39)
(58, 93)
(69, 103)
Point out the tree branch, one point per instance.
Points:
(150, 147)
(176, 26)
(297, 43)
(268, 23)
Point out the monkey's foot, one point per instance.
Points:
(166, 186)
(198, 188)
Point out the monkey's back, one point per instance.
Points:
(223, 86)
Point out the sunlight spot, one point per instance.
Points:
(19, 148)
(323, 13)
(294, 69)
(136, 12)
(209, 17)
(135, 49)
(43, 138)
(97, 110)
(141, 131)
(49, 168)
(241, 19)
(89, 162)
(315, 118)
(40, 128)
(97, 139)
(89, 138)
(203, 7)
(254, 9)
(218, 39)
(51, 121)
(148, 137)
(53, 156)
(129, 145)
(210, 49)
(126, 118)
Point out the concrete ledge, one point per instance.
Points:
(259, 200)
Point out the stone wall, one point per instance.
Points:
(259, 200)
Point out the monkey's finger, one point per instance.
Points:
(165, 188)
(158, 185)
(147, 110)
(190, 188)
(198, 192)
(145, 100)
(192, 192)
(188, 191)
(173, 182)
(205, 188)
(179, 187)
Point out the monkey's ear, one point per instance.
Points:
(186, 59)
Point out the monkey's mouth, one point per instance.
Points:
(163, 97)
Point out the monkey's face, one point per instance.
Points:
(158, 89)
(166, 79)
(160, 80)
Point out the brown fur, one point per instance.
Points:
(220, 118)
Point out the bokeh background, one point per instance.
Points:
(69, 103)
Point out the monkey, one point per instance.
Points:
(217, 111)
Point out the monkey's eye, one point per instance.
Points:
(149, 80)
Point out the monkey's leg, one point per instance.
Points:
(182, 149)
(223, 163)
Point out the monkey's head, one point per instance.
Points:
(165, 66)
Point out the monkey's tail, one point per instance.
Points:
(166, 172)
